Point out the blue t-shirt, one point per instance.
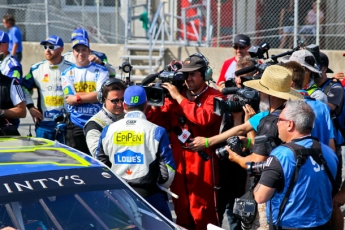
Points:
(15, 37)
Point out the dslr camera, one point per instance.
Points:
(234, 144)
(156, 94)
(246, 210)
(243, 96)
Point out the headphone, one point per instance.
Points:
(108, 82)
(208, 72)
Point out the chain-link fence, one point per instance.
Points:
(214, 23)
(283, 24)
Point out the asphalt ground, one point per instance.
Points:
(27, 126)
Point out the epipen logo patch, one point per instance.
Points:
(85, 87)
(128, 138)
(129, 157)
(45, 78)
(53, 101)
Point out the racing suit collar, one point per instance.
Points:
(135, 114)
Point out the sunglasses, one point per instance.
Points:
(239, 47)
(117, 100)
(50, 47)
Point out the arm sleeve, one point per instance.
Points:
(100, 153)
(15, 72)
(102, 78)
(272, 175)
(92, 132)
(167, 164)
(17, 94)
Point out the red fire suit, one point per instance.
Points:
(194, 178)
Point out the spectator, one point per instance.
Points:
(310, 21)
(111, 96)
(9, 65)
(95, 56)
(15, 46)
(139, 151)
(286, 25)
(312, 73)
(241, 45)
(46, 77)
(80, 84)
(12, 105)
(309, 205)
(335, 96)
(190, 110)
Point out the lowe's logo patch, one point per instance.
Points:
(129, 157)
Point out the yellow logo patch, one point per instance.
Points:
(45, 78)
(85, 86)
(53, 101)
(128, 138)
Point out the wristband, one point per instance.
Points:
(78, 99)
(248, 143)
(206, 142)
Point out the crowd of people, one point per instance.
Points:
(177, 148)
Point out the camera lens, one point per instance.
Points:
(222, 153)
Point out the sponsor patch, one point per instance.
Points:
(129, 157)
(128, 138)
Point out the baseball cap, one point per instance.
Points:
(325, 62)
(242, 39)
(54, 40)
(79, 32)
(193, 63)
(303, 57)
(135, 95)
(4, 37)
(80, 41)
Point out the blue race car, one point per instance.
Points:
(48, 185)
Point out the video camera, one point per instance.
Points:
(242, 96)
(259, 52)
(156, 94)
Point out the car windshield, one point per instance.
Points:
(102, 209)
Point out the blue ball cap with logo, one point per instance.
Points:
(135, 95)
(79, 32)
(80, 41)
(4, 37)
(54, 40)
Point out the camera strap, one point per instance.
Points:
(301, 155)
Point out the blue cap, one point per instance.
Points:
(80, 41)
(4, 37)
(54, 40)
(135, 95)
(79, 32)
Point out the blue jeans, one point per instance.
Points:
(160, 203)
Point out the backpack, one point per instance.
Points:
(339, 116)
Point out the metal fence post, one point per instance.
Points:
(208, 22)
(317, 22)
(295, 31)
(98, 22)
(47, 18)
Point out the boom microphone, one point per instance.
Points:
(149, 78)
(178, 131)
(245, 70)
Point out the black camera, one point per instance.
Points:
(243, 96)
(246, 210)
(156, 94)
(234, 144)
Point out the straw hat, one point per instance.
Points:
(275, 81)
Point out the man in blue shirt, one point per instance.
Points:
(9, 65)
(15, 45)
(309, 205)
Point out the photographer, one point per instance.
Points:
(191, 111)
(309, 205)
(111, 96)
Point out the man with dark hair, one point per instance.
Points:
(95, 56)
(46, 77)
(188, 112)
(111, 96)
(81, 84)
(241, 46)
(296, 185)
(139, 151)
(12, 105)
(15, 45)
